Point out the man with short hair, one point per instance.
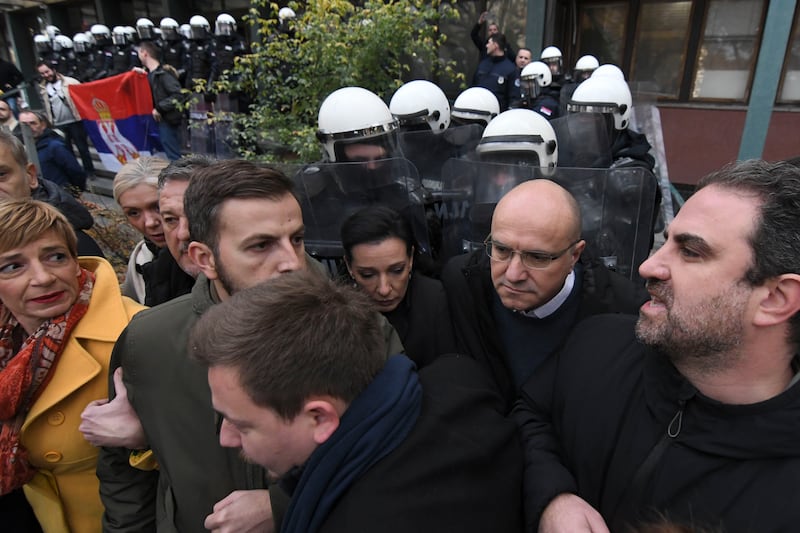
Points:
(245, 228)
(491, 29)
(18, 179)
(497, 72)
(62, 113)
(166, 91)
(361, 443)
(524, 56)
(57, 163)
(7, 119)
(691, 411)
(515, 302)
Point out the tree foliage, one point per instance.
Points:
(331, 44)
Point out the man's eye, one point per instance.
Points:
(689, 253)
(536, 257)
(10, 268)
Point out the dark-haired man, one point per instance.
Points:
(166, 91)
(245, 229)
(497, 72)
(360, 443)
(691, 411)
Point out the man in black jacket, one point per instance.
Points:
(691, 412)
(166, 96)
(515, 303)
(359, 442)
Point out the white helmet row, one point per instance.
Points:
(475, 105)
(421, 103)
(520, 136)
(286, 13)
(603, 94)
(81, 42)
(553, 58)
(199, 27)
(62, 42)
(352, 115)
(169, 29)
(145, 28)
(608, 70)
(584, 67)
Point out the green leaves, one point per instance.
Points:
(331, 44)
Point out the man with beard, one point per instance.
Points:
(246, 227)
(691, 412)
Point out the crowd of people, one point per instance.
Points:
(338, 350)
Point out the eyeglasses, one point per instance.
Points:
(530, 259)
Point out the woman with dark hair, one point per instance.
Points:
(379, 254)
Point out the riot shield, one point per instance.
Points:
(584, 140)
(428, 151)
(223, 128)
(201, 133)
(331, 192)
(616, 207)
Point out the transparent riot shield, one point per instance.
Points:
(617, 207)
(331, 192)
(584, 140)
(223, 128)
(201, 133)
(428, 151)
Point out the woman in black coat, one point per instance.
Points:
(379, 254)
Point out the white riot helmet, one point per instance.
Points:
(520, 136)
(353, 115)
(286, 13)
(52, 31)
(475, 105)
(118, 35)
(62, 42)
(169, 29)
(130, 34)
(42, 43)
(200, 28)
(584, 67)
(534, 77)
(553, 58)
(101, 34)
(421, 103)
(146, 29)
(610, 71)
(81, 43)
(186, 31)
(607, 95)
(225, 25)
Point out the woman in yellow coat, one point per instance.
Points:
(59, 319)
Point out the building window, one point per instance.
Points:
(602, 31)
(728, 48)
(659, 56)
(790, 85)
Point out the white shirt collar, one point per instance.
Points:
(548, 308)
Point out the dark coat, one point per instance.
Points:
(499, 75)
(458, 469)
(468, 283)
(80, 217)
(166, 91)
(170, 394)
(57, 162)
(593, 415)
(422, 320)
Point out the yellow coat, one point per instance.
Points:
(64, 492)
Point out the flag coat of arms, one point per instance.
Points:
(117, 115)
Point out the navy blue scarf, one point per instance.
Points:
(375, 423)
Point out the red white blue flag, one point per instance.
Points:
(117, 115)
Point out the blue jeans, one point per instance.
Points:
(170, 139)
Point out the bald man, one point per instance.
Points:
(515, 302)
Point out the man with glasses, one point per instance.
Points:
(514, 303)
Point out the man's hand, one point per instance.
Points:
(570, 513)
(139, 70)
(113, 423)
(156, 115)
(483, 16)
(242, 511)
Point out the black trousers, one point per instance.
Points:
(75, 133)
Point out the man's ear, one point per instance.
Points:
(577, 251)
(324, 417)
(203, 257)
(779, 300)
(33, 179)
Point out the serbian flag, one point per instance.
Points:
(117, 115)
